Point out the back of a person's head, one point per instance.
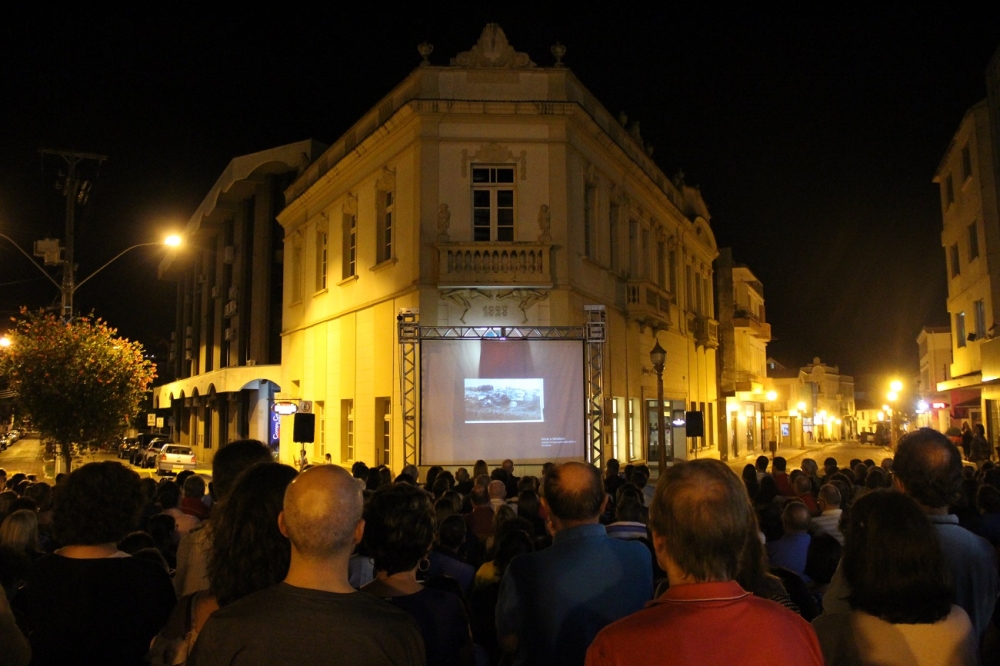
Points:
(574, 491)
(893, 561)
(876, 479)
(801, 484)
(497, 489)
(432, 475)
(452, 531)
(462, 475)
(988, 499)
(768, 490)
(249, 552)
(703, 513)
(929, 467)
(194, 486)
(399, 527)
(19, 531)
(153, 555)
(501, 515)
(479, 495)
(412, 471)
(795, 517)
(509, 545)
(639, 479)
(613, 466)
(628, 490)
(359, 470)
(162, 527)
(979, 429)
(762, 463)
(830, 494)
(527, 482)
(830, 463)
(443, 509)
(780, 464)
(527, 504)
(99, 504)
(182, 476)
(480, 468)
(508, 465)
(822, 558)
(232, 459)
(168, 495)
(441, 486)
(629, 510)
(41, 493)
(499, 474)
(809, 466)
(136, 541)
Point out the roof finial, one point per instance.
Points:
(425, 50)
(558, 50)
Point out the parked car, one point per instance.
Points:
(127, 448)
(151, 453)
(142, 447)
(3, 442)
(174, 458)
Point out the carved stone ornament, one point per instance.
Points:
(351, 204)
(525, 299)
(544, 223)
(463, 298)
(494, 153)
(443, 222)
(492, 51)
(425, 50)
(386, 180)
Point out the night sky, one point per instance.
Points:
(813, 137)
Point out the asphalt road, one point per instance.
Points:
(844, 452)
(26, 455)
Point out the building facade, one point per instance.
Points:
(492, 191)
(971, 240)
(226, 348)
(815, 404)
(934, 347)
(744, 411)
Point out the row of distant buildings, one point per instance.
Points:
(486, 192)
(960, 364)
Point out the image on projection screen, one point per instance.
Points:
(496, 399)
(504, 400)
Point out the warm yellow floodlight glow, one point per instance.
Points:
(891, 396)
(886, 409)
(4, 342)
(801, 406)
(173, 240)
(772, 396)
(896, 386)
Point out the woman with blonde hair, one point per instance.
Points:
(19, 532)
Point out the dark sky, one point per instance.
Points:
(814, 137)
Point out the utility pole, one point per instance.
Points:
(72, 192)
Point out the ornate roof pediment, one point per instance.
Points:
(493, 51)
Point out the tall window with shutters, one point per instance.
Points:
(493, 204)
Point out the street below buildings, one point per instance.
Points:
(27, 456)
(844, 452)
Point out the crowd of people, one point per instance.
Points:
(867, 564)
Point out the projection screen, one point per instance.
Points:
(493, 399)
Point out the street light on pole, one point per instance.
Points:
(69, 286)
(658, 357)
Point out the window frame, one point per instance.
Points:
(322, 259)
(960, 332)
(385, 225)
(974, 240)
(349, 250)
(494, 187)
(955, 266)
(348, 449)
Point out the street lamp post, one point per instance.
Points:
(69, 285)
(658, 356)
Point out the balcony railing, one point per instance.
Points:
(745, 319)
(495, 264)
(646, 302)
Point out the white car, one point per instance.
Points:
(174, 458)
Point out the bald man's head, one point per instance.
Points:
(574, 491)
(321, 512)
(795, 517)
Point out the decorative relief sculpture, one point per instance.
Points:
(492, 51)
(443, 222)
(351, 204)
(386, 180)
(525, 299)
(544, 223)
(463, 298)
(495, 153)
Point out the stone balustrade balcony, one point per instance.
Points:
(495, 265)
(647, 303)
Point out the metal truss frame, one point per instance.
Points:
(411, 333)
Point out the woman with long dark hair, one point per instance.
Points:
(901, 603)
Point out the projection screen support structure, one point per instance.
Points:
(411, 333)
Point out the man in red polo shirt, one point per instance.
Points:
(701, 518)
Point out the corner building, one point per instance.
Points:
(492, 192)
